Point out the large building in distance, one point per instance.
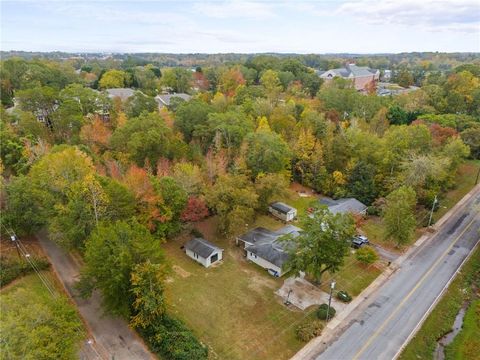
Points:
(362, 77)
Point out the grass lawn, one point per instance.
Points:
(353, 277)
(440, 321)
(466, 344)
(231, 307)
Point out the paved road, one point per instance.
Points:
(113, 339)
(384, 322)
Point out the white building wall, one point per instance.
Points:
(197, 258)
(263, 263)
(201, 260)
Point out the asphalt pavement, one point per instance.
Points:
(112, 338)
(384, 323)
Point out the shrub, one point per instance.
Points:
(344, 296)
(374, 211)
(12, 268)
(196, 233)
(322, 312)
(173, 340)
(308, 330)
(366, 255)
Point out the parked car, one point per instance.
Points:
(359, 240)
(273, 272)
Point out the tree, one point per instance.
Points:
(23, 211)
(177, 79)
(267, 153)
(36, 326)
(234, 200)
(195, 210)
(190, 115)
(271, 83)
(145, 139)
(230, 80)
(471, 137)
(87, 98)
(111, 254)
(366, 255)
(322, 244)
(147, 287)
(139, 103)
(269, 187)
(113, 79)
(399, 215)
(404, 78)
(189, 176)
(39, 100)
(361, 183)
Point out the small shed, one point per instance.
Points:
(203, 251)
(282, 211)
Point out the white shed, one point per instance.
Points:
(203, 251)
(282, 211)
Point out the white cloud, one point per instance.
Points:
(431, 15)
(235, 9)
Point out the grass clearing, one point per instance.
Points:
(441, 319)
(232, 306)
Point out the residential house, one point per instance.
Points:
(345, 205)
(362, 77)
(264, 247)
(203, 251)
(282, 211)
(164, 100)
(122, 93)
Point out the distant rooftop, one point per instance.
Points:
(165, 99)
(122, 93)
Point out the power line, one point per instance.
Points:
(51, 288)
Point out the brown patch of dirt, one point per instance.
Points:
(257, 283)
(183, 273)
(300, 189)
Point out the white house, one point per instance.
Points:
(282, 211)
(203, 251)
(264, 248)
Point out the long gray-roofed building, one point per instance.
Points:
(345, 205)
(203, 251)
(265, 248)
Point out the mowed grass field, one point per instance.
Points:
(232, 307)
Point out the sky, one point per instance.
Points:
(284, 26)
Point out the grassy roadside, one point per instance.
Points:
(440, 321)
(466, 344)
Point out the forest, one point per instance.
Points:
(116, 180)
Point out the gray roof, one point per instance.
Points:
(265, 243)
(282, 207)
(122, 93)
(202, 247)
(354, 70)
(166, 98)
(345, 205)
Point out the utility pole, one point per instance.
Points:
(431, 212)
(332, 286)
(478, 175)
(14, 240)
